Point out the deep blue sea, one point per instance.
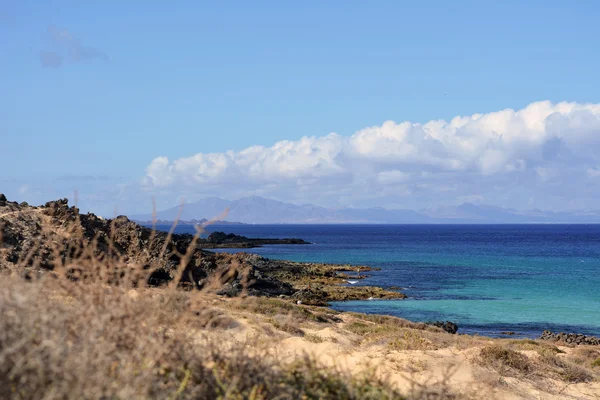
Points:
(486, 278)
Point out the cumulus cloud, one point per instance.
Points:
(66, 48)
(499, 156)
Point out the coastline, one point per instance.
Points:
(126, 281)
(319, 283)
(310, 283)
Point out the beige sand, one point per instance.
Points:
(452, 370)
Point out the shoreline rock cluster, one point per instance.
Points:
(570, 338)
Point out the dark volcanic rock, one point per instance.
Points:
(222, 237)
(570, 338)
(231, 240)
(448, 326)
(35, 239)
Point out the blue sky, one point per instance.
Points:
(94, 93)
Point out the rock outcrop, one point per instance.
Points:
(447, 326)
(37, 239)
(570, 338)
(231, 240)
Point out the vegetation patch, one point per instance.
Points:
(550, 363)
(505, 361)
(586, 356)
(286, 325)
(270, 307)
(391, 322)
(313, 338)
(533, 345)
(411, 340)
(564, 369)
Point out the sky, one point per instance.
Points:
(399, 104)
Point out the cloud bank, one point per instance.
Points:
(545, 155)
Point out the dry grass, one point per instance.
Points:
(507, 362)
(552, 365)
(395, 336)
(400, 334)
(411, 340)
(550, 362)
(586, 356)
(62, 339)
(313, 338)
(286, 324)
(274, 307)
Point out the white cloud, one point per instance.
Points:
(593, 172)
(485, 155)
(67, 48)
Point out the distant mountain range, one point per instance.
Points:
(202, 221)
(258, 210)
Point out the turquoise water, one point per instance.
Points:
(487, 279)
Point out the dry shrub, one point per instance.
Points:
(529, 344)
(411, 340)
(313, 338)
(274, 307)
(286, 324)
(400, 334)
(575, 374)
(505, 361)
(551, 363)
(586, 356)
(563, 369)
(391, 322)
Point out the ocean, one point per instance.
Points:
(488, 279)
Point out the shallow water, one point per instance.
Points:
(486, 278)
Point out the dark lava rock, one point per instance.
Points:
(222, 239)
(313, 297)
(448, 326)
(570, 338)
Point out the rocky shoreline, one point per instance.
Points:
(36, 240)
(33, 240)
(570, 338)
